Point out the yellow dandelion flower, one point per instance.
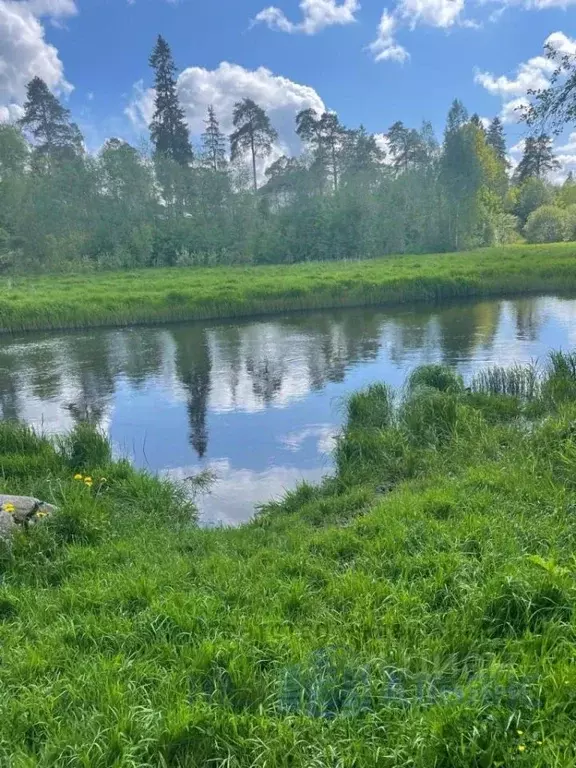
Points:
(41, 514)
(520, 733)
(88, 483)
(9, 507)
(521, 747)
(78, 476)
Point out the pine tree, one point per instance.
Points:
(362, 155)
(496, 139)
(214, 142)
(327, 136)
(168, 129)
(538, 159)
(406, 146)
(49, 122)
(254, 132)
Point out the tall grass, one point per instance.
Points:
(522, 381)
(172, 294)
(416, 609)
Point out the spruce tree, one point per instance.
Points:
(253, 133)
(168, 129)
(214, 142)
(48, 122)
(457, 117)
(538, 159)
(496, 139)
(476, 121)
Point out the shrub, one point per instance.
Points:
(571, 222)
(533, 194)
(547, 224)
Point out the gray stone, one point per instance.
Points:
(26, 509)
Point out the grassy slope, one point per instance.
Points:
(416, 610)
(174, 294)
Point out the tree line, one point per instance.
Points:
(348, 194)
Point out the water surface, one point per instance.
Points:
(256, 401)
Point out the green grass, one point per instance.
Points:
(416, 609)
(164, 295)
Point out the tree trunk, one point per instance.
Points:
(334, 168)
(253, 161)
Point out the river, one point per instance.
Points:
(258, 401)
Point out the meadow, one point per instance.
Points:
(88, 298)
(415, 609)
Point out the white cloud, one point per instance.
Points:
(24, 52)
(541, 5)
(385, 48)
(222, 87)
(512, 110)
(559, 42)
(54, 8)
(435, 13)
(518, 148)
(316, 16)
(530, 75)
(570, 146)
(9, 113)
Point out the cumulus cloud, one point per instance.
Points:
(24, 52)
(561, 43)
(530, 75)
(53, 8)
(570, 145)
(222, 87)
(9, 113)
(384, 47)
(316, 16)
(512, 110)
(434, 13)
(198, 88)
(541, 5)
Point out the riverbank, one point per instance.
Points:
(416, 609)
(170, 295)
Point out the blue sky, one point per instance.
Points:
(317, 53)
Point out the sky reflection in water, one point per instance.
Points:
(258, 402)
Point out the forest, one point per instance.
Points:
(349, 194)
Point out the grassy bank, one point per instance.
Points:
(415, 610)
(164, 295)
